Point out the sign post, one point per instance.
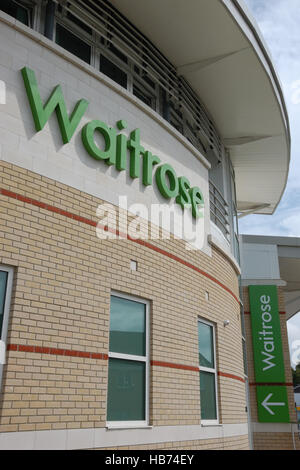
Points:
(272, 400)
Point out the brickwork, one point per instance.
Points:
(275, 441)
(60, 313)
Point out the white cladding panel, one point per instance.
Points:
(259, 261)
(44, 153)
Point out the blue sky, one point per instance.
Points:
(279, 22)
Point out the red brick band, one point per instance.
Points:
(174, 366)
(103, 356)
(231, 376)
(48, 207)
(189, 265)
(280, 313)
(195, 369)
(56, 351)
(78, 218)
(278, 384)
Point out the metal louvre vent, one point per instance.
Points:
(149, 69)
(219, 210)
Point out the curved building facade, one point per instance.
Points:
(132, 135)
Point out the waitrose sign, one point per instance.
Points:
(266, 334)
(116, 145)
(269, 369)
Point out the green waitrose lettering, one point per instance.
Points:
(115, 145)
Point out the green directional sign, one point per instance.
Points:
(266, 335)
(272, 400)
(272, 404)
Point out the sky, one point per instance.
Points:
(279, 22)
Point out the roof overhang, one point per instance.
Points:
(217, 47)
(288, 258)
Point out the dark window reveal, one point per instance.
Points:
(73, 44)
(16, 10)
(113, 71)
(3, 285)
(140, 92)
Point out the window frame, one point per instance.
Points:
(210, 422)
(6, 310)
(61, 19)
(134, 358)
(8, 292)
(145, 89)
(98, 49)
(107, 54)
(30, 7)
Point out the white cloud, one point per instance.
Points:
(279, 23)
(293, 327)
(292, 225)
(295, 87)
(2, 92)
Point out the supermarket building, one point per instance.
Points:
(119, 331)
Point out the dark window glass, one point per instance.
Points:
(207, 378)
(148, 80)
(175, 117)
(206, 345)
(245, 357)
(127, 375)
(113, 71)
(142, 94)
(208, 396)
(79, 23)
(126, 390)
(144, 76)
(14, 9)
(117, 53)
(3, 283)
(176, 122)
(127, 327)
(72, 43)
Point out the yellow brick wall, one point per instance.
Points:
(63, 279)
(282, 441)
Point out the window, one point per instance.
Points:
(77, 22)
(127, 402)
(5, 292)
(72, 43)
(143, 94)
(89, 29)
(175, 118)
(112, 71)
(234, 213)
(208, 373)
(6, 275)
(18, 10)
(144, 87)
(191, 133)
